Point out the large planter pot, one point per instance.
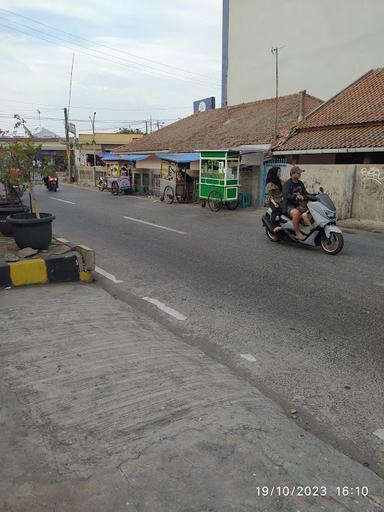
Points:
(29, 231)
(9, 209)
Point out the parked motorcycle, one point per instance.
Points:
(323, 230)
(52, 183)
(102, 184)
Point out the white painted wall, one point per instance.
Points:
(317, 36)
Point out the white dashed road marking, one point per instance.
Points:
(166, 309)
(61, 200)
(156, 225)
(107, 275)
(249, 357)
(380, 433)
(378, 284)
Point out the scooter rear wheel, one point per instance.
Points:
(333, 244)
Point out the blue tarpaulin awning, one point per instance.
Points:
(179, 158)
(124, 158)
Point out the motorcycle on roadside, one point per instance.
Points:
(52, 183)
(102, 184)
(323, 231)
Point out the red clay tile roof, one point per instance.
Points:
(354, 118)
(248, 123)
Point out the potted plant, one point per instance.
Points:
(34, 228)
(11, 201)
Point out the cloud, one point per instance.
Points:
(37, 76)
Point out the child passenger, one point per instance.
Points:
(274, 196)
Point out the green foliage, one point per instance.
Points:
(17, 161)
(129, 130)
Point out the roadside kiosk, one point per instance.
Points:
(219, 179)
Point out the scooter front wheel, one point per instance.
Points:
(333, 244)
(271, 236)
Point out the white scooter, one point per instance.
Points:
(323, 230)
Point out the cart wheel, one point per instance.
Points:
(169, 196)
(232, 205)
(183, 198)
(214, 201)
(115, 188)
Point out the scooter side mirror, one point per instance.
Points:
(321, 189)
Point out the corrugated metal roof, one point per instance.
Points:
(179, 157)
(126, 158)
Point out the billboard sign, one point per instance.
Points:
(204, 105)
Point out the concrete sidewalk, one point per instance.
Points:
(103, 409)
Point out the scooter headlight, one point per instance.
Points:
(330, 214)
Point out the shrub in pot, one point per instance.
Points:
(17, 161)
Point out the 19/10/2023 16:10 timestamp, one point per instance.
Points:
(311, 490)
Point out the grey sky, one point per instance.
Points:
(328, 44)
(123, 89)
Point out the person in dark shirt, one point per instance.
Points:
(294, 193)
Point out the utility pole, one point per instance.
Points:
(92, 119)
(275, 51)
(150, 124)
(158, 125)
(69, 169)
(146, 127)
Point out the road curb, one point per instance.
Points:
(74, 265)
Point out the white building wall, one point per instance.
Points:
(317, 36)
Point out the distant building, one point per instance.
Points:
(103, 142)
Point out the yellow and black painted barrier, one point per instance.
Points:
(75, 265)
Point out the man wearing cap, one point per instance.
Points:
(294, 191)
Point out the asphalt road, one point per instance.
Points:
(312, 323)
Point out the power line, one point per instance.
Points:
(34, 118)
(142, 68)
(60, 107)
(102, 45)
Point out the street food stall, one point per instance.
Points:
(176, 181)
(219, 179)
(120, 170)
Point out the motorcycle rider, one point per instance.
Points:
(294, 193)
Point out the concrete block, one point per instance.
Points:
(88, 257)
(63, 268)
(28, 272)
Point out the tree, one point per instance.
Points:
(17, 167)
(129, 130)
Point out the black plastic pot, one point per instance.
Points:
(29, 231)
(9, 209)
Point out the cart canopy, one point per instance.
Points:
(179, 158)
(108, 157)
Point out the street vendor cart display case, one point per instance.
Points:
(219, 179)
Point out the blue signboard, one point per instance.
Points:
(203, 105)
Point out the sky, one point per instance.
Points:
(140, 59)
(133, 60)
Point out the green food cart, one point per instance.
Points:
(219, 179)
